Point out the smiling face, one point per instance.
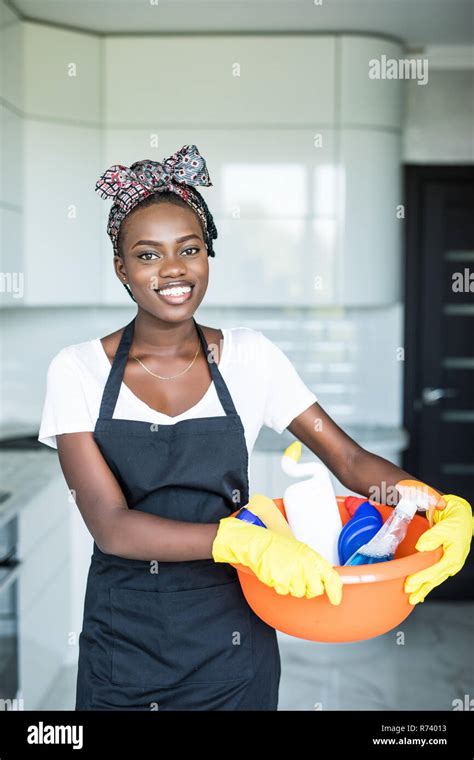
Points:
(161, 244)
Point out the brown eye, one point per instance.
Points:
(146, 253)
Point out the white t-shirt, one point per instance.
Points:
(265, 388)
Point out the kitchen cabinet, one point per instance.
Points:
(305, 185)
(228, 81)
(62, 159)
(11, 57)
(61, 75)
(274, 203)
(369, 253)
(376, 104)
(43, 638)
(11, 237)
(44, 586)
(306, 215)
(62, 260)
(257, 174)
(11, 157)
(288, 262)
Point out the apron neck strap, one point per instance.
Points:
(115, 378)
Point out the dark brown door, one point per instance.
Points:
(439, 337)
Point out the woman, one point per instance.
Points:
(153, 425)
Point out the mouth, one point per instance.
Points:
(175, 295)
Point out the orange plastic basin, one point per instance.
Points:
(373, 599)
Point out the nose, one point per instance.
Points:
(172, 266)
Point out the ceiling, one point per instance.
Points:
(416, 22)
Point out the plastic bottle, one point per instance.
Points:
(267, 511)
(247, 516)
(311, 505)
(364, 524)
(382, 547)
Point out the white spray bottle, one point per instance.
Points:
(311, 505)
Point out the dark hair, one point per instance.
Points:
(168, 196)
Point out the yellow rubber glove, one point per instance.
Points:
(453, 531)
(285, 564)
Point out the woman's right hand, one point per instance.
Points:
(286, 564)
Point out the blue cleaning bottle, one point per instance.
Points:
(363, 525)
(247, 516)
(382, 547)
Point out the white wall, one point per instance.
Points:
(439, 116)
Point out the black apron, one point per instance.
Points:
(173, 635)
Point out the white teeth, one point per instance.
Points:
(178, 291)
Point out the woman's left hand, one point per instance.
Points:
(453, 531)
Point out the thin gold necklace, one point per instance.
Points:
(162, 377)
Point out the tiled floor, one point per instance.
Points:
(424, 664)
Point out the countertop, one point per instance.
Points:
(24, 473)
(369, 437)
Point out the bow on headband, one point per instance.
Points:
(185, 167)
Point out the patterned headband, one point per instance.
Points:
(128, 186)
